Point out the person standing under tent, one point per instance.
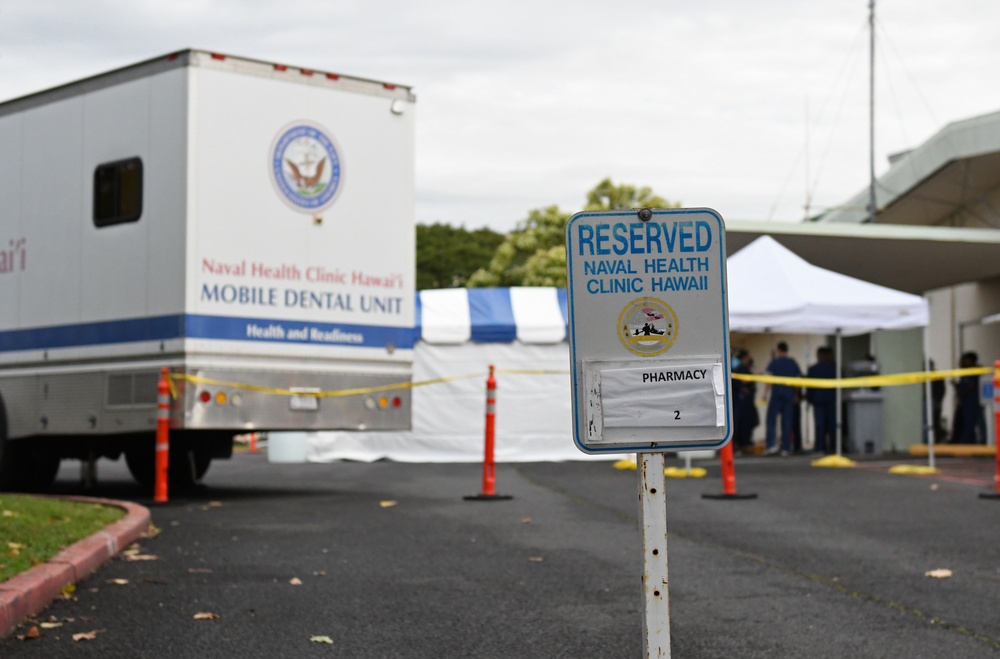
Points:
(781, 400)
(823, 401)
(968, 412)
(745, 417)
(938, 427)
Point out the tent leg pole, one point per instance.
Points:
(928, 402)
(840, 420)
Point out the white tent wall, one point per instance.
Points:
(533, 415)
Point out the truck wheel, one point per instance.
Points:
(8, 464)
(183, 471)
(140, 462)
(20, 469)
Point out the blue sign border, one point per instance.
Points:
(661, 447)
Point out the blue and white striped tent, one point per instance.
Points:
(461, 332)
(492, 315)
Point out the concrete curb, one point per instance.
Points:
(30, 592)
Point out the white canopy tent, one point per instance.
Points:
(773, 290)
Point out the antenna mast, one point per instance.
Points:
(872, 208)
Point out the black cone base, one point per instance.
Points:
(488, 497)
(729, 496)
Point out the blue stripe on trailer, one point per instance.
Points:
(162, 328)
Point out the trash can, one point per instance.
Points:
(864, 421)
(287, 447)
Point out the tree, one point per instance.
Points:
(447, 255)
(534, 253)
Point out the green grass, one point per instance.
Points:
(33, 530)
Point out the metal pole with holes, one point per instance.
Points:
(162, 437)
(653, 519)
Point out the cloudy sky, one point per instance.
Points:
(751, 108)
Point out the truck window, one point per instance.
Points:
(118, 192)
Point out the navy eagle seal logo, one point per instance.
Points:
(306, 167)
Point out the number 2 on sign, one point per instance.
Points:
(677, 414)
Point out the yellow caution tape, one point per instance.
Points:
(865, 381)
(815, 383)
(197, 379)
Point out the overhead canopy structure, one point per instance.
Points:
(771, 289)
(951, 179)
(938, 215)
(914, 259)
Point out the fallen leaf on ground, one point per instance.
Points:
(940, 573)
(295, 581)
(214, 504)
(15, 545)
(118, 582)
(50, 625)
(87, 636)
(205, 615)
(30, 635)
(199, 570)
(319, 573)
(321, 639)
(9, 513)
(536, 559)
(140, 557)
(386, 504)
(526, 520)
(151, 531)
(68, 590)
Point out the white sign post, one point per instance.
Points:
(649, 344)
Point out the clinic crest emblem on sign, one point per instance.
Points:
(305, 167)
(647, 326)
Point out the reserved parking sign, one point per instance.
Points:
(648, 330)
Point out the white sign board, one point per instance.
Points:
(648, 330)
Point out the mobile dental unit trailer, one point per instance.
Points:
(247, 225)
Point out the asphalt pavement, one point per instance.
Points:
(389, 560)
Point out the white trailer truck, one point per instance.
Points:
(245, 224)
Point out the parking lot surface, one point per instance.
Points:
(389, 560)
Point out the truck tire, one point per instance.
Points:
(20, 469)
(8, 463)
(140, 458)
